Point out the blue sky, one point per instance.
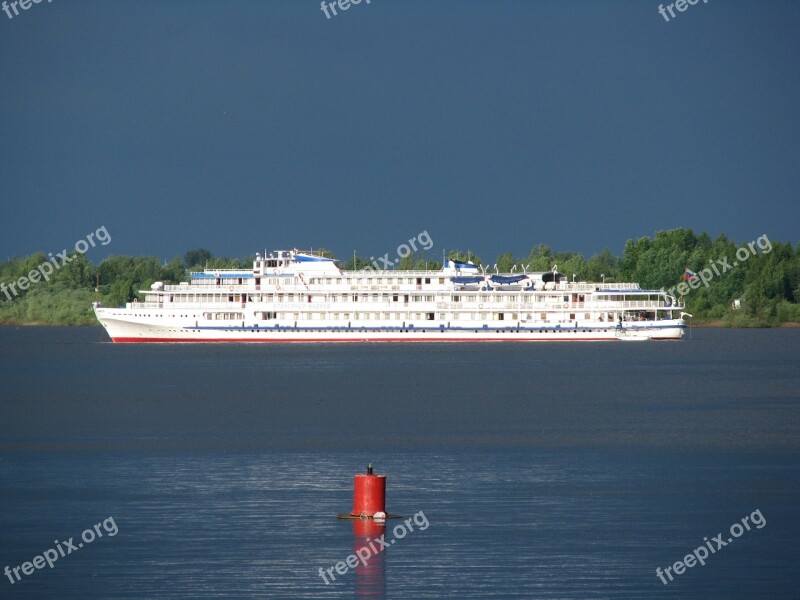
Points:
(493, 125)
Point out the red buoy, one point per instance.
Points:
(369, 494)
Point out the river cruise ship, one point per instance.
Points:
(300, 296)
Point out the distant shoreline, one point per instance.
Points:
(722, 325)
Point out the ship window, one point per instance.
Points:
(429, 316)
(571, 316)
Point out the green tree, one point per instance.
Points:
(767, 282)
(540, 258)
(464, 257)
(505, 262)
(357, 263)
(195, 260)
(604, 263)
(173, 271)
(120, 292)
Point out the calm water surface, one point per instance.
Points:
(543, 470)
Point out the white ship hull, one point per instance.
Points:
(126, 331)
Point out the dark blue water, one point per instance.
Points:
(542, 470)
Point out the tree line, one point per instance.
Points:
(765, 286)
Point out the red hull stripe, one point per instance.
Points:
(134, 340)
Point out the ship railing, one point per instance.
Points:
(136, 304)
(312, 252)
(394, 273)
(178, 288)
(244, 270)
(602, 306)
(486, 302)
(612, 304)
(616, 286)
(583, 287)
